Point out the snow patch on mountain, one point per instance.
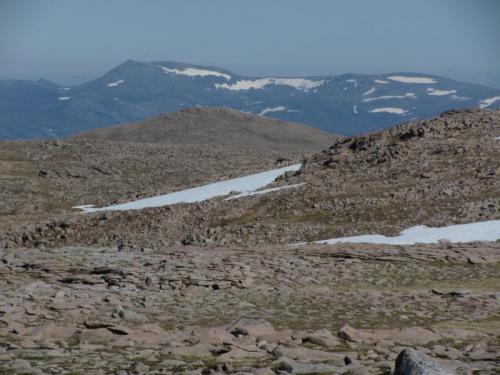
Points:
(116, 83)
(482, 231)
(371, 91)
(396, 111)
(64, 98)
(298, 83)
(194, 72)
(487, 102)
(381, 81)
(355, 109)
(264, 191)
(457, 97)
(273, 109)
(247, 184)
(256, 84)
(434, 92)
(405, 79)
(83, 206)
(245, 84)
(350, 80)
(407, 95)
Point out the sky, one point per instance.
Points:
(70, 41)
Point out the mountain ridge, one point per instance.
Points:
(346, 104)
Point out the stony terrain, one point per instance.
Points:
(217, 126)
(435, 172)
(216, 287)
(336, 309)
(172, 152)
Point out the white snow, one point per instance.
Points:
(381, 81)
(246, 184)
(396, 111)
(274, 109)
(371, 91)
(482, 231)
(116, 83)
(264, 191)
(84, 206)
(407, 95)
(497, 138)
(404, 79)
(65, 88)
(431, 91)
(297, 83)
(487, 102)
(350, 80)
(245, 84)
(194, 72)
(457, 97)
(355, 109)
(64, 98)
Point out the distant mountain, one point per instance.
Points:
(346, 104)
(220, 126)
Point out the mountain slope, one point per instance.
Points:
(203, 288)
(435, 172)
(217, 126)
(346, 104)
(173, 152)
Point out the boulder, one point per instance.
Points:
(414, 362)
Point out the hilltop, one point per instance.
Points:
(172, 152)
(218, 126)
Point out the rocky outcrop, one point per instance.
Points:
(414, 362)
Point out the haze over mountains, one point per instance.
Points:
(346, 104)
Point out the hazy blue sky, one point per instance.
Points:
(70, 41)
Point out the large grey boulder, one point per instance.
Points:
(414, 362)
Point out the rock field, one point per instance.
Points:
(345, 309)
(219, 287)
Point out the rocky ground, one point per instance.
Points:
(216, 287)
(345, 309)
(49, 178)
(41, 179)
(435, 172)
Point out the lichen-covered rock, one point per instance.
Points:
(414, 362)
